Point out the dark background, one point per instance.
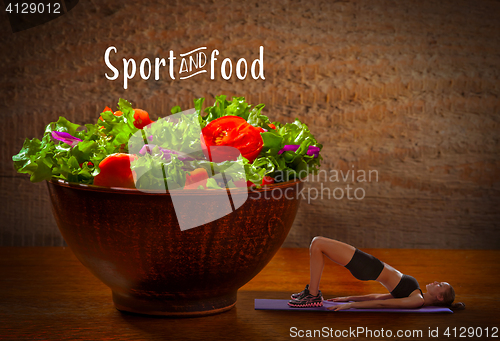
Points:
(407, 88)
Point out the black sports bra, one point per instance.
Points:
(405, 287)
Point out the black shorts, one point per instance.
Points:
(364, 266)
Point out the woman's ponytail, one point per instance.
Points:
(457, 306)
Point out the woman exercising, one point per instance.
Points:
(404, 290)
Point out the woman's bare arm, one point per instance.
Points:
(412, 302)
(369, 297)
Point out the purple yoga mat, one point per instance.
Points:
(261, 304)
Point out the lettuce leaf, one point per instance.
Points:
(118, 129)
(154, 173)
(180, 133)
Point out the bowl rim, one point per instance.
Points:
(135, 191)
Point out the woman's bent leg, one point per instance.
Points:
(336, 251)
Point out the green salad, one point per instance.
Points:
(189, 150)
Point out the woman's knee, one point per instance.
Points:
(317, 243)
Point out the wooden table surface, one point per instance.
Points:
(45, 293)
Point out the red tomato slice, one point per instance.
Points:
(115, 171)
(194, 178)
(233, 133)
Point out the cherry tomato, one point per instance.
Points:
(90, 164)
(243, 183)
(267, 180)
(141, 118)
(116, 113)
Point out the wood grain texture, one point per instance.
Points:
(47, 294)
(407, 88)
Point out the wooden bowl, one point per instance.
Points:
(132, 242)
